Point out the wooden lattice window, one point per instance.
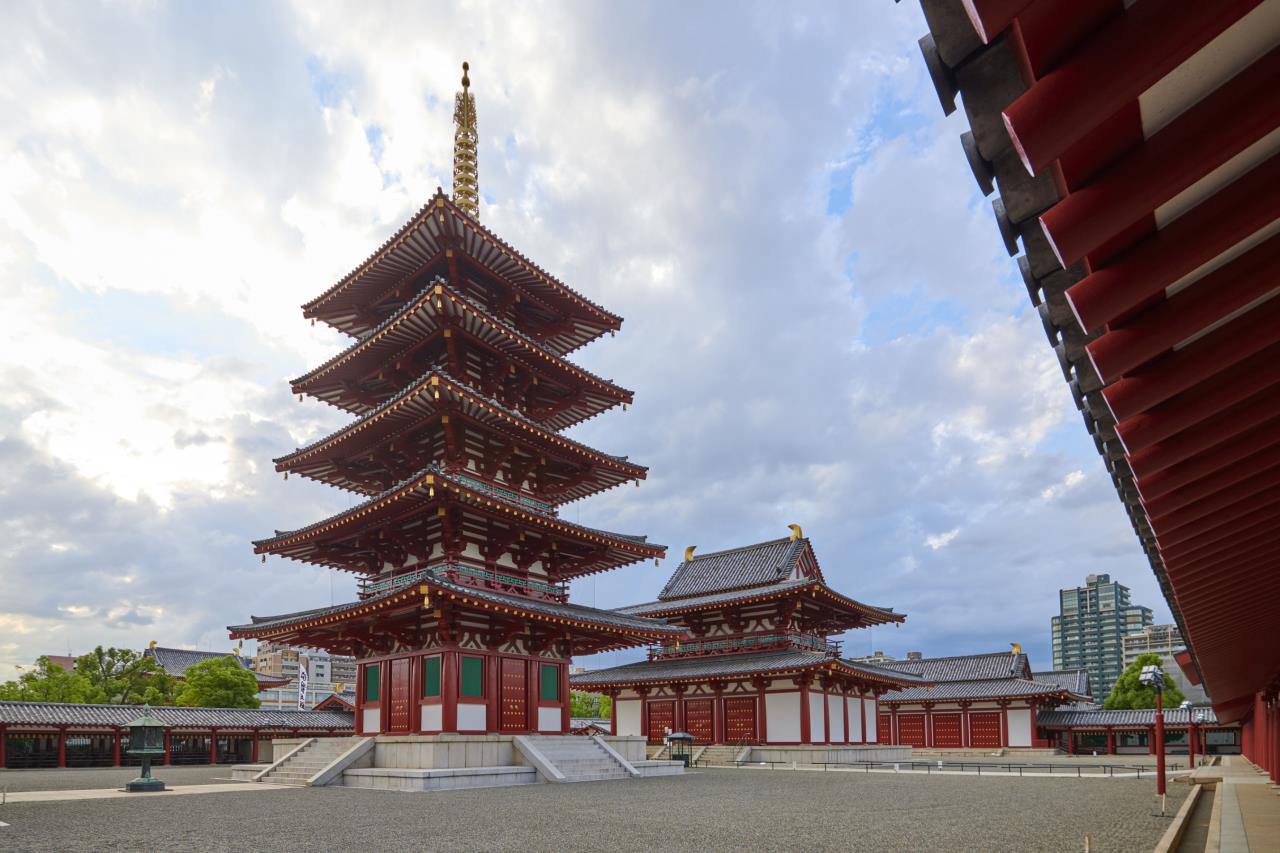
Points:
(472, 685)
(372, 682)
(431, 677)
(549, 683)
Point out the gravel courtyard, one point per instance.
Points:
(708, 810)
(105, 777)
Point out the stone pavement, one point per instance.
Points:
(1249, 820)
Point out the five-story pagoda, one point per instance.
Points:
(459, 383)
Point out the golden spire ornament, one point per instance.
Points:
(466, 181)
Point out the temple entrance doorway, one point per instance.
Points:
(515, 697)
(400, 689)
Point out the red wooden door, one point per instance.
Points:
(513, 715)
(946, 730)
(911, 730)
(662, 716)
(740, 719)
(699, 720)
(400, 689)
(884, 729)
(984, 730)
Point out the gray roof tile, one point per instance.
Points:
(1137, 717)
(965, 667)
(60, 713)
(176, 662)
(696, 668)
(988, 688)
(1075, 680)
(750, 565)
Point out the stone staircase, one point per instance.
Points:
(719, 755)
(580, 759)
(308, 761)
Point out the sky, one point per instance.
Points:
(822, 325)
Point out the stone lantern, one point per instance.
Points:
(146, 739)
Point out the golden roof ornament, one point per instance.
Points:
(466, 180)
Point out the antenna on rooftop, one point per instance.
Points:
(466, 180)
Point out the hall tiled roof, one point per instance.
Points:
(176, 662)
(965, 667)
(610, 618)
(1075, 680)
(986, 688)
(1137, 717)
(750, 565)
(873, 615)
(62, 713)
(698, 668)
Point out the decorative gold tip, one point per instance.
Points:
(466, 81)
(153, 644)
(796, 532)
(1017, 648)
(688, 553)
(466, 180)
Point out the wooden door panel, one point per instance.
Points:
(662, 716)
(514, 699)
(740, 719)
(911, 730)
(401, 678)
(984, 730)
(946, 730)
(699, 719)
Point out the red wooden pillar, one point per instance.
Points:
(253, 756)
(1004, 724)
(893, 725)
(415, 695)
(563, 673)
(762, 721)
(643, 693)
(213, 746)
(115, 749)
(62, 746)
(530, 695)
(4, 745)
(1111, 741)
(928, 725)
(678, 717)
(862, 709)
(844, 697)
(166, 747)
(805, 722)
(717, 713)
(826, 713)
(1035, 733)
(449, 691)
(613, 712)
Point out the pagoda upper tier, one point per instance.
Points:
(442, 241)
(447, 516)
(441, 420)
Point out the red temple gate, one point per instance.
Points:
(514, 700)
(662, 717)
(911, 730)
(401, 677)
(699, 719)
(884, 729)
(740, 719)
(946, 730)
(984, 729)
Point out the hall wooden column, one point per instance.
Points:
(115, 748)
(4, 745)
(894, 732)
(805, 723)
(1004, 722)
(449, 691)
(62, 746)
(613, 711)
(826, 711)
(213, 746)
(762, 721)
(643, 693)
(1111, 741)
(928, 725)
(166, 747)
(844, 698)
(253, 757)
(717, 713)
(862, 709)
(564, 697)
(530, 693)
(678, 717)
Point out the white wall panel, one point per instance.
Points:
(628, 717)
(549, 719)
(872, 721)
(1019, 727)
(432, 716)
(816, 731)
(835, 704)
(855, 719)
(369, 720)
(471, 718)
(782, 713)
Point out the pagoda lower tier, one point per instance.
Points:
(444, 650)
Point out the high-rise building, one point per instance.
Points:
(1089, 630)
(327, 674)
(1165, 641)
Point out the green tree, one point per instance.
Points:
(1129, 692)
(48, 682)
(124, 677)
(219, 683)
(583, 704)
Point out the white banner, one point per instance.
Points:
(302, 683)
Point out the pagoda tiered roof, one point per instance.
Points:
(602, 629)
(421, 246)
(377, 367)
(349, 540)
(782, 662)
(377, 450)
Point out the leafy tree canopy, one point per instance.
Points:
(124, 677)
(219, 683)
(1129, 692)
(47, 682)
(589, 705)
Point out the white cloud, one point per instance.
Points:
(938, 541)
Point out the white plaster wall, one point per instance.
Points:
(782, 713)
(548, 719)
(872, 721)
(432, 718)
(836, 706)
(817, 733)
(628, 717)
(471, 718)
(855, 719)
(369, 720)
(1019, 727)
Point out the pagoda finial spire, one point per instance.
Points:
(466, 181)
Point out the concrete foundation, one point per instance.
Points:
(830, 754)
